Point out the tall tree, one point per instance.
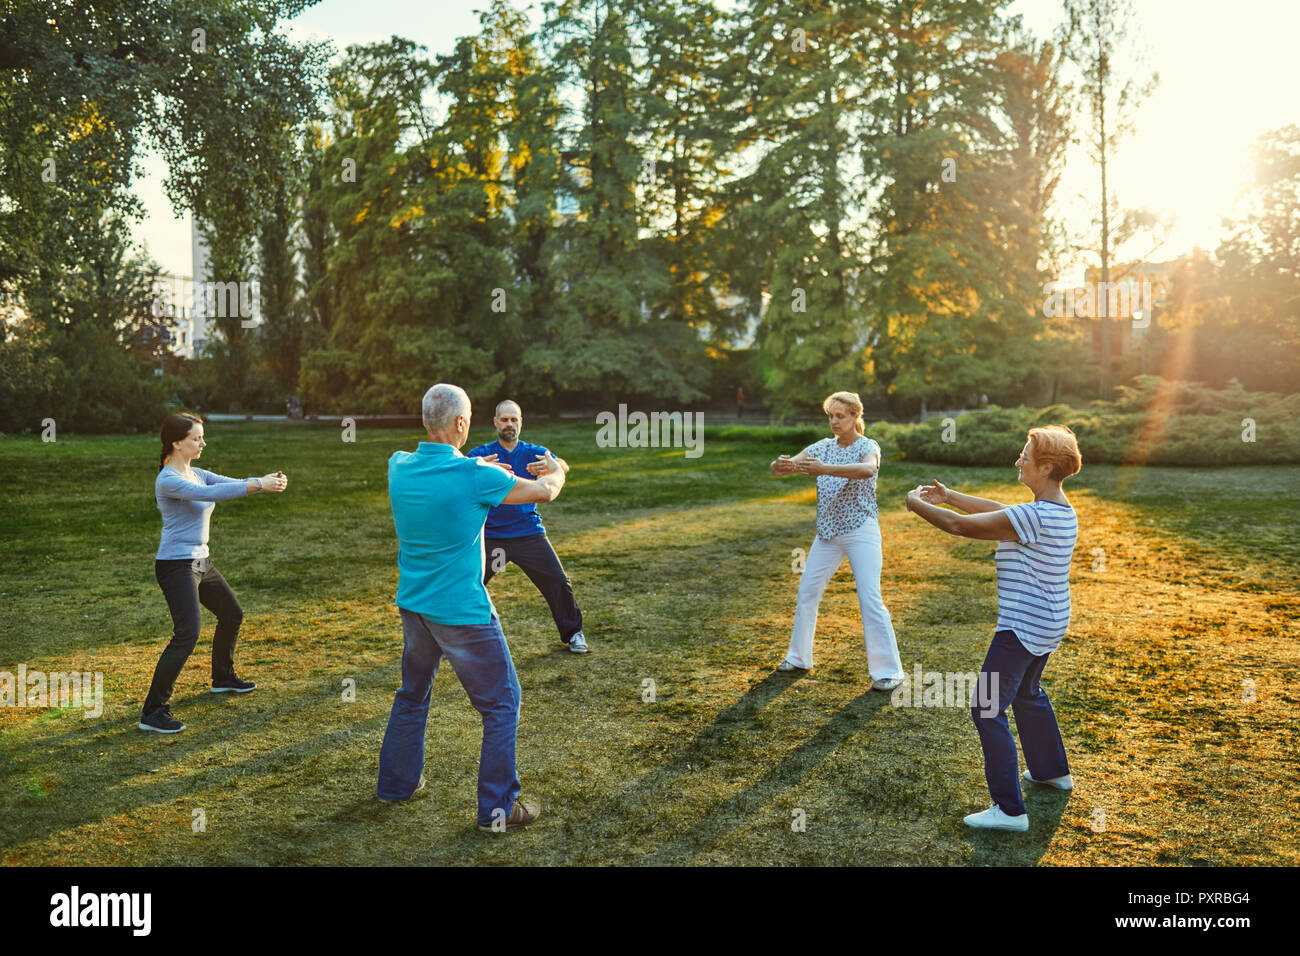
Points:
(529, 117)
(316, 237)
(232, 171)
(1034, 115)
(683, 173)
(932, 146)
(801, 88)
(281, 333)
(415, 208)
(1096, 38)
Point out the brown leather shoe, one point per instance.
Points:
(521, 814)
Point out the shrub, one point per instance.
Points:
(1152, 421)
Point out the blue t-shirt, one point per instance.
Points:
(440, 499)
(513, 521)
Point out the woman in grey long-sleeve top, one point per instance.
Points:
(186, 497)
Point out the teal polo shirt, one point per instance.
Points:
(440, 500)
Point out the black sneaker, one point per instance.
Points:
(232, 684)
(161, 721)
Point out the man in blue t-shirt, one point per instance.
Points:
(515, 532)
(440, 500)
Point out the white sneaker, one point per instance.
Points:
(994, 819)
(887, 683)
(1060, 783)
(578, 643)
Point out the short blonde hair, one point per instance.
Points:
(853, 402)
(1055, 445)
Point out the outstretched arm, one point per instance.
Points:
(989, 526)
(276, 481)
(866, 468)
(937, 494)
(172, 485)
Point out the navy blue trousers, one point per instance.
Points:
(1017, 685)
(535, 556)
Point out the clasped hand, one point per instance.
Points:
(274, 482)
(785, 465)
(544, 465)
(934, 494)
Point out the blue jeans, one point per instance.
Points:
(1017, 682)
(481, 659)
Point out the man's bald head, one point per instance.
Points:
(508, 421)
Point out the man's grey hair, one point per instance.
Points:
(442, 403)
(508, 401)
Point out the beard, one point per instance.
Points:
(508, 434)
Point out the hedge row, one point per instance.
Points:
(1153, 421)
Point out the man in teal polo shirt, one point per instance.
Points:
(440, 500)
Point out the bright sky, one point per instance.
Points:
(1225, 78)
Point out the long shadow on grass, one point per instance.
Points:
(94, 733)
(627, 804)
(124, 752)
(747, 804)
(717, 822)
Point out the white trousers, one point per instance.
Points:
(862, 548)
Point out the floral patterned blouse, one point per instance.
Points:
(844, 504)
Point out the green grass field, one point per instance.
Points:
(1176, 688)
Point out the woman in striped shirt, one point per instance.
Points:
(1035, 546)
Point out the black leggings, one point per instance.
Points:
(186, 584)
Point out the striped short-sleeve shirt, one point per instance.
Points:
(1034, 574)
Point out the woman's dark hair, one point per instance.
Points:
(175, 428)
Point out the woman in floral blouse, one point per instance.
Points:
(845, 467)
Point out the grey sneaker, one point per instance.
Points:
(1060, 783)
(578, 643)
(887, 683)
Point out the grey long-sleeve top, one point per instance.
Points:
(186, 509)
